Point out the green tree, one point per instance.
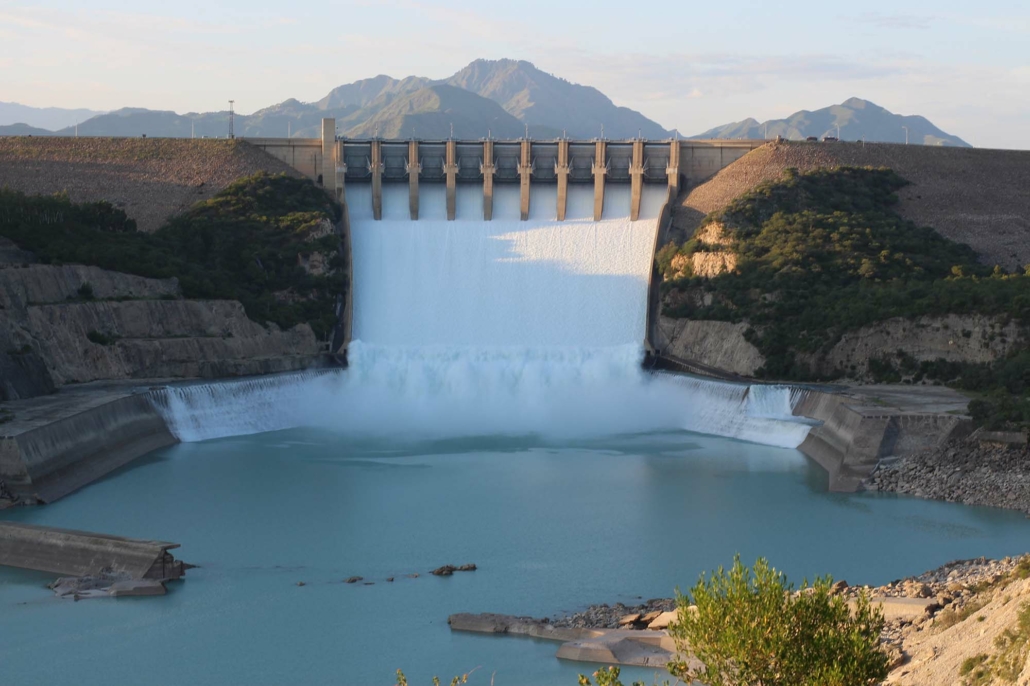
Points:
(750, 628)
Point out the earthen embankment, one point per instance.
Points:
(152, 179)
(969, 195)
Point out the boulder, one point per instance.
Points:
(663, 621)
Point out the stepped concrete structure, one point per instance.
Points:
(335, 163)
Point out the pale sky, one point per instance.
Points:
(687, 65)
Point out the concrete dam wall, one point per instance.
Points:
(337, 163)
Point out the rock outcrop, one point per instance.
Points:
(68, 324)
(954, 338)
(710, 343)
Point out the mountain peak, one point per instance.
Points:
(858, 104)
(853, 120)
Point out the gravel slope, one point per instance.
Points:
(152, 179)
(969, 195)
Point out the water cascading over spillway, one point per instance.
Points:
(468, 327)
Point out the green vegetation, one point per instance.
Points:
(1012, 649)
(456, 681)
(101, 338)
(972, 667)
(243, 244)
(85, 291)
(750, 628)
(822, 253)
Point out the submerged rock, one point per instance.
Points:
(448, 570)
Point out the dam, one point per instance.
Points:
(494, 412)
(336, 164)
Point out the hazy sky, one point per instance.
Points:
(687, 65)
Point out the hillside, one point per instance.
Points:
(857, 119)
(23, 130)
(816, 276)
(971, 196)
(246, 282)
(150, 179)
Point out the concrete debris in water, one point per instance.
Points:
(106, 585)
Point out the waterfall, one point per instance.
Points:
(473, 328)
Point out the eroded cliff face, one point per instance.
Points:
(67, 324)
(954, 338)
(713, 344)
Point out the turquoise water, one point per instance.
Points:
(553, 526)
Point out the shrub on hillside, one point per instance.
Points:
(750, 628)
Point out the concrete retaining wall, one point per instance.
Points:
(851, 441)
(52, 460)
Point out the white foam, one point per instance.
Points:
(468, 328)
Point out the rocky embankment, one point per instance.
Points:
(151, 179)
(975, 471)
(950, 615)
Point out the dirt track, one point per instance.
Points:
(152, 179)
(974, 196)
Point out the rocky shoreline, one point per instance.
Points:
(951, 593)
(973, 471)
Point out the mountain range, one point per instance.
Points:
(857, 120)
(51, 118)
(502, 98)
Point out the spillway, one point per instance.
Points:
(506, 327)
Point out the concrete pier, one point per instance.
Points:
(525, 169)
(672, 168)
(636, 175)
(561, 171)
(375, 167)
(450, 170)
(414, 168)
(488, 169)
(328, 170)
(599, 169)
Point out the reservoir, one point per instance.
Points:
(552, 525)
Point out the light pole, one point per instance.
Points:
(232, 134)
(906, 134)
(838, 132)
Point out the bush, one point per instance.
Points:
(749, 629)
(101, 338)
(86, 291)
